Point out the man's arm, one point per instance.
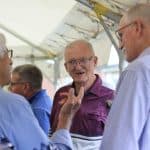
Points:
(67, 112)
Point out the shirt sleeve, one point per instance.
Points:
(128, 113)
(61, 140)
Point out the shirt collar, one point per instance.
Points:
(145, 52)
(95, 88)
(40, 92)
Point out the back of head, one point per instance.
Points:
(30, 73)
(135, 37)
(3, 47)
(139, 11)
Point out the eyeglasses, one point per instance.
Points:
(10, 53)
(119, 34)
(82, 61)
(15, 83)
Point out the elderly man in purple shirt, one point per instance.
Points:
(89, 121)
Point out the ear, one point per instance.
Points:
(66, 67)
(27, 86)
(95, 60)
(139, 27)
(24, 89)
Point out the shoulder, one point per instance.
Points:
(138, 69)
(108, 92)
(8, 97)
(104, 86)
(101, 89)
(64, 89)
(12, 103)
(42, 101)
(139, 64)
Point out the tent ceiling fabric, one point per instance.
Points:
(50, 25)
(33, 19)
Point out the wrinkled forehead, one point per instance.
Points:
(78, 51)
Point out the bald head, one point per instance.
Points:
(81, 47)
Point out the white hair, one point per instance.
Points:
(3, 47)
(141, 10)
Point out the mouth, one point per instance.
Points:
(80, 73)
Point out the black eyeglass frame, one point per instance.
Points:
(10, 53)
(74, 62)
(15, 83)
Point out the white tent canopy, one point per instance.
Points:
(38, 30)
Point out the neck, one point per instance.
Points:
(32, 93)
(86, 85)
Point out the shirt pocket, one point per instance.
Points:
(96, 123)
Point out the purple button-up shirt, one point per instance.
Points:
(91, 117)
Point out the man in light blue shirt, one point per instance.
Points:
(17, 121)
(128, 124)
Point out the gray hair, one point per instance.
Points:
(3, 47)
(141, 10)
(29, 73)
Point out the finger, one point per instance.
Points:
(71, 95)
(71, 91)
(81, 94)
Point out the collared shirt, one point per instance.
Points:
(19, 125)
(41, 105)
(91, 117)
(128, 126)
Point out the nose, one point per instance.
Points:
(77, 64)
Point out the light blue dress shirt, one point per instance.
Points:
(19, 125)
(128, 124)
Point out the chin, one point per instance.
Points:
(81, 82)
(80, 79)
(129, 59)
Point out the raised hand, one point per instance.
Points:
(70, 107)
